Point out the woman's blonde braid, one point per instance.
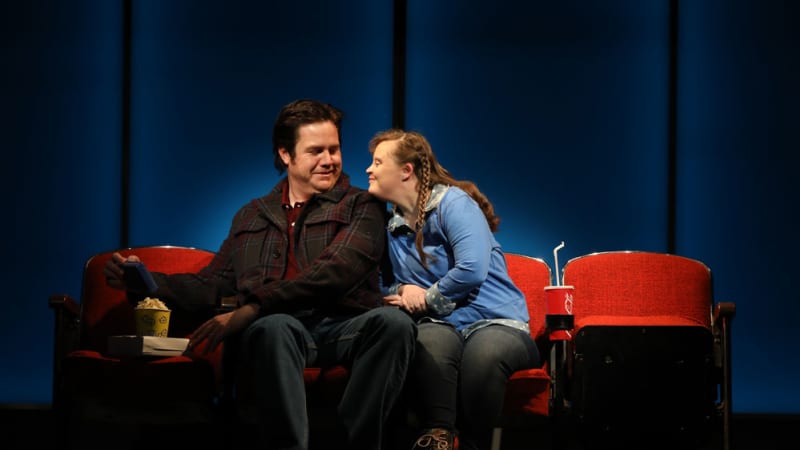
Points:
(422, 200)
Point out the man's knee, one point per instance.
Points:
(393, 325)
(274, 330)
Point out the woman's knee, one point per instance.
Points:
(441, 342)
(438, 333)
(501, 347)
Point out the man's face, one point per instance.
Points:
(317, 161)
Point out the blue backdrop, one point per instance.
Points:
(560, 111)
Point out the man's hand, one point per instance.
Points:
(113, 270)
(216, 329)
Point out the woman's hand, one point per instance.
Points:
(410, 298)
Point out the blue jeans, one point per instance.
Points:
(457, 384)
(377, 346)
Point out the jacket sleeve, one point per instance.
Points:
(470, 238)
(201, 292)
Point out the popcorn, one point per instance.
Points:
(152, 303)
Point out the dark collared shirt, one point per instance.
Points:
(292, 213)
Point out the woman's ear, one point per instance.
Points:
(407, 171)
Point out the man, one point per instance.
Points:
(302, 262)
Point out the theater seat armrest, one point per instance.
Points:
(66, 327)
(559, 366)
(722, 319)
(226, 304)
(723, 311)
(64, 304)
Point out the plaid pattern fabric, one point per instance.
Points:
(340, 237)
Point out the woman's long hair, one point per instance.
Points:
(412, 147)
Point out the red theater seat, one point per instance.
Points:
(95, 393)
(651, 352)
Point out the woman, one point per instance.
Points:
(450, 274)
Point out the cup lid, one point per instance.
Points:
(565, 286)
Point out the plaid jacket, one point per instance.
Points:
(340, 239)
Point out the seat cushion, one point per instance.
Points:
(325, 386)
(528, 393)
(88, 374)
(644, 320)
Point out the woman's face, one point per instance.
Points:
(385, 174)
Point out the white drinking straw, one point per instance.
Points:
(555, 256)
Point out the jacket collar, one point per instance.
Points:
(339, 189)
(397, 223)
(271, 204)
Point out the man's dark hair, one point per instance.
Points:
(292, 117)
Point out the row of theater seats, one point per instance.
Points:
(649, 355)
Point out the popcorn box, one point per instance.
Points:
(152, 322)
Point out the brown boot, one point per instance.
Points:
(435, 439)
